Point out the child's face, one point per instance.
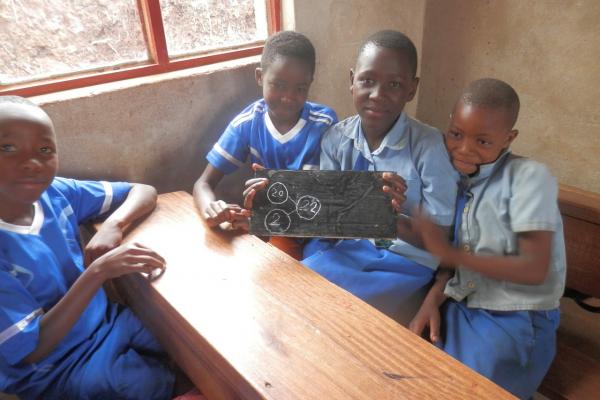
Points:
(28, 158)
(285, 87)
(381, 84)
(477, 136)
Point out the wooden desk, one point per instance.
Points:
(575, 372)
(244, 320)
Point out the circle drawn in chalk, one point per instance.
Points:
(277, 193)
(308, 207)
(277, 221)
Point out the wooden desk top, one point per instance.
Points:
(244, 320)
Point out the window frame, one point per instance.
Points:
(159, 62)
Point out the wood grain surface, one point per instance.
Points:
(580, 211)
(244, 320)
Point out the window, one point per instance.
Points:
(51, 45)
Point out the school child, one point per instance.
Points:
(502, 310)
(391, 276)
(281, 131)
(60, 338)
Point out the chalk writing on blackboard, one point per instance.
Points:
(323, 204)
(277, 220)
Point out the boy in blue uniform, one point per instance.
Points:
(502, 313)
(280, 131)
(390, 276)
(60, 338)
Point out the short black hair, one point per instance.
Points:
(288, 44)
(37, 115)
(17, 100)
(390, 39)
(494, 94)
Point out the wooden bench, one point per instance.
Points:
(575, 373)
(244, 320)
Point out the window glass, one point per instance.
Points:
(198, 26)
(48, 38)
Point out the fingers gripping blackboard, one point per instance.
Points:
(336, 204)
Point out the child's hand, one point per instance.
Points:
(257, 167)
(395, 187)
(434, 239)
(252, 187)
(238, 221)
(107, 238)
(219, 212)
(428, 315)
(125, 259)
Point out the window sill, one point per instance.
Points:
(89, 91)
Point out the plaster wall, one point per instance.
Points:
(158, 129)
(547, 50)
(154, 130)
(337, 28)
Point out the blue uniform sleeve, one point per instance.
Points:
(438, 177)
(232, 149)
(90, 199)
(533, 203)
(329, 147)
(323, 118)
(19, 319)
(327, 114)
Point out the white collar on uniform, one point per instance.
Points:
(33, 229)
(283, 138)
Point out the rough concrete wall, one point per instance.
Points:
(547, 50)
(338, 27)
(155, 131)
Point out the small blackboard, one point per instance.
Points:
(331, 204)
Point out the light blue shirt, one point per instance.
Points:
(510, 196)
(252, 133)
(413, 150)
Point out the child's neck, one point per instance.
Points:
(17, 214)
(284, 126)
(375, 136)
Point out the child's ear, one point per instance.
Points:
(258, 76)
(351, 79)
(511, 135)
(413, 88)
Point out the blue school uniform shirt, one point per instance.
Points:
(253, 134)
(413, 150)
(38, 264)
(509, 196)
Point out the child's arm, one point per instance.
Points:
(140, 200)
(407, 231)
(429, 312)
(529, 266)
(58, 321)
(395, 188)
(214, 211)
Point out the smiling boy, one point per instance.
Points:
(60, 338)
(381, 137)
(500, 308)
(280, 131)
